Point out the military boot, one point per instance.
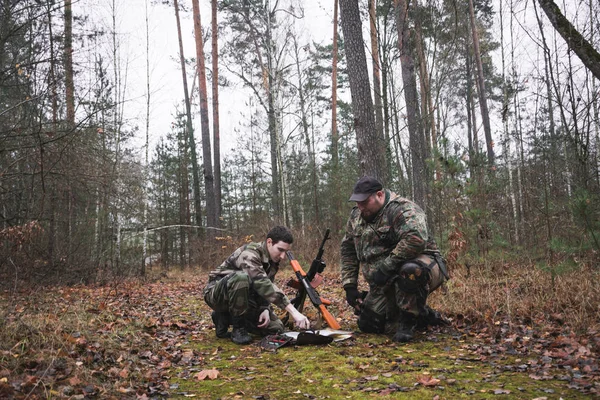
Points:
(240, 335)
(222, 320)
(406, 328)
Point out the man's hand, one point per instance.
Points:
(353, 296)
(264, 319)
(300, 319)
(380, 278)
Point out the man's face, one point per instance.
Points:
(277, 250)
(371, 205)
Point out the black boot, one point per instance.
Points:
(240, 334)
(222, 320)
(406, 328)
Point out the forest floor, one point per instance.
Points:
(144, 340)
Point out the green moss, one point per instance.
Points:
(367, 366)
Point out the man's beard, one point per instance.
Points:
(368, 218)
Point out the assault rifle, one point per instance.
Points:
(316, 267)
(312, 294)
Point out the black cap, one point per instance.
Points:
(366, 186)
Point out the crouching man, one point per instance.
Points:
(387, 239)
(241, 290)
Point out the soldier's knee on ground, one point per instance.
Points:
(371, 322)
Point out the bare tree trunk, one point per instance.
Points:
(584, 49)
(507, 150)
(426, 97)
(470, 115)
(596, 125)
(402, 161)
(304, 127)
(385, 72)
(376, 63)
(146, 148)
(215, 103)
(50, 188)
(69, 84)
(211, 211)
(485, 115)
(519, 144)
(183, 196)
(415, 127)
(189, 125)
(337, 222)
(370, 147)
(117, 121)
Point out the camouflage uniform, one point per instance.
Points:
(397, 234)
(243, 286)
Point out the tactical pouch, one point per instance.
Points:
(308, 337)
(273, 342)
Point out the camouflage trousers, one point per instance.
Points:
(384, 306)
(234, 294)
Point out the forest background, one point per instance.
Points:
(484, 112)
(481, 112)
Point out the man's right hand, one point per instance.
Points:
(353, 296)
(301, 321)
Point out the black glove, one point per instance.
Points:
(380, 278)
(352, 295)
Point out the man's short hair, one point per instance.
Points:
(280, 234)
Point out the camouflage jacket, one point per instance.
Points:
(253, 259)
(397, 233)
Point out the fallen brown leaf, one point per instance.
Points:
(207, 373)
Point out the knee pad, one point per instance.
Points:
(413, 276)
(371, 322)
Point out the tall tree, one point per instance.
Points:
(483, 106)
(189, 124)
(255, 25)
(69, 83)
(215, 104)
(576, 42)
(211, 206)
(370, 145)
(376, 65)
(334, 129)
(413, 115)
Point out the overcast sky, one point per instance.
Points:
(165, 80)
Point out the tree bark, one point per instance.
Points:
(334, 132)
(189, 125)
(370, 147)
(576, 42)
(376, 63)
(426, 98)
(305, 131)
(485, 115)
(215, 103)
(69, 84)
(211, 211)
(413, 115)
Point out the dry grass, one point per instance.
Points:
(524, 294)
(56, 332)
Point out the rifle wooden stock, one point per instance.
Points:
(312, 293)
